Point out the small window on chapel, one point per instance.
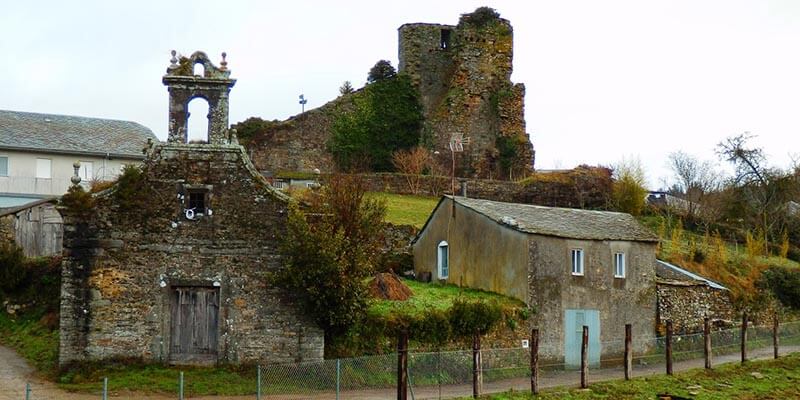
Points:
(444, 43)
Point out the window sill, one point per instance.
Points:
(574, 274)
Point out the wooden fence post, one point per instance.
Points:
(744, 336)
(628, 353)
(669, 347)
(707, 342)
(476, 366)
(535, 361)
(402, 366)
(775, 335)
(584, 357)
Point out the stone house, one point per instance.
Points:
(170, 265)
(37, 152)
(572, 267)
(687, 299)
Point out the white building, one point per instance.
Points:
(37, 152)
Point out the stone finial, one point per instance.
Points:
(76, 177)
(223, 65)
(173, 62)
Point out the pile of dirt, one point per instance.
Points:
(387, 286)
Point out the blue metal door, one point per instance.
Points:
(574, 320)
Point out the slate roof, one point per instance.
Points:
(72, 135)
(670, 271)
(562, 222)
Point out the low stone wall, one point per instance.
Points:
(686, 304)
(582, 187)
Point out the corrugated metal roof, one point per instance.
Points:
(675, 270)
(562, 222)
(71, 134)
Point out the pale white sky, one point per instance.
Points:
(605, 79)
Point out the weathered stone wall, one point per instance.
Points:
(465, 86)
(7, 228)
(125, 256)
(688, 303)
(583, 187)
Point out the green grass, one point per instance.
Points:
(34, 342)
(154, 378)
(436, 296)
(732, 381)
(407, 209)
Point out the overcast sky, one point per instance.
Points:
(605, 79)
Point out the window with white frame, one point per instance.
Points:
(43, 168)
(3, 166)
(577, 261)
(443, 260)
(86, 171)
(619, 265)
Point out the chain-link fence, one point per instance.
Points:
(452, 373)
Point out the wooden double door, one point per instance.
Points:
(194, 325)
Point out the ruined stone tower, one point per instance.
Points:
(463, 74)
(214, 86)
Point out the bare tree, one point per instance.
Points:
(766, 189)
(412, 163)
(695, 180)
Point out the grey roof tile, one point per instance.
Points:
(562, 222)
(67, 134)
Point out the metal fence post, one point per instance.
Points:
(258, 382)
(669, 347)
(180, 387)
(744, 337)
(707, 342)
(105, 388)
(628, 351)
(27, 391)
(535, 361)
(775, 335)
(584, 358)
(338, 376)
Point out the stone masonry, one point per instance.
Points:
(463, 74)
(171, 265)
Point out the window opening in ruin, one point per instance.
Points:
(199, 69)
(197, 127)
(197, 202)
(444, 43)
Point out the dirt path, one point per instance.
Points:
(15, 373)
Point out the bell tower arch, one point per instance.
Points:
(183, 85)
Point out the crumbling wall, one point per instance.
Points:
(686, 304)
(463, 75)
(128, 251)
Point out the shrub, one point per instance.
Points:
(329, 258)
(481, 17)
(12, 266)
(784, 284)
(469, 318)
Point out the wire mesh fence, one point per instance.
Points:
(452, 373)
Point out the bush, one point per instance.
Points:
(329, 258)
(481, 17)
(784, 284)
(469, 318)
(12, 266)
